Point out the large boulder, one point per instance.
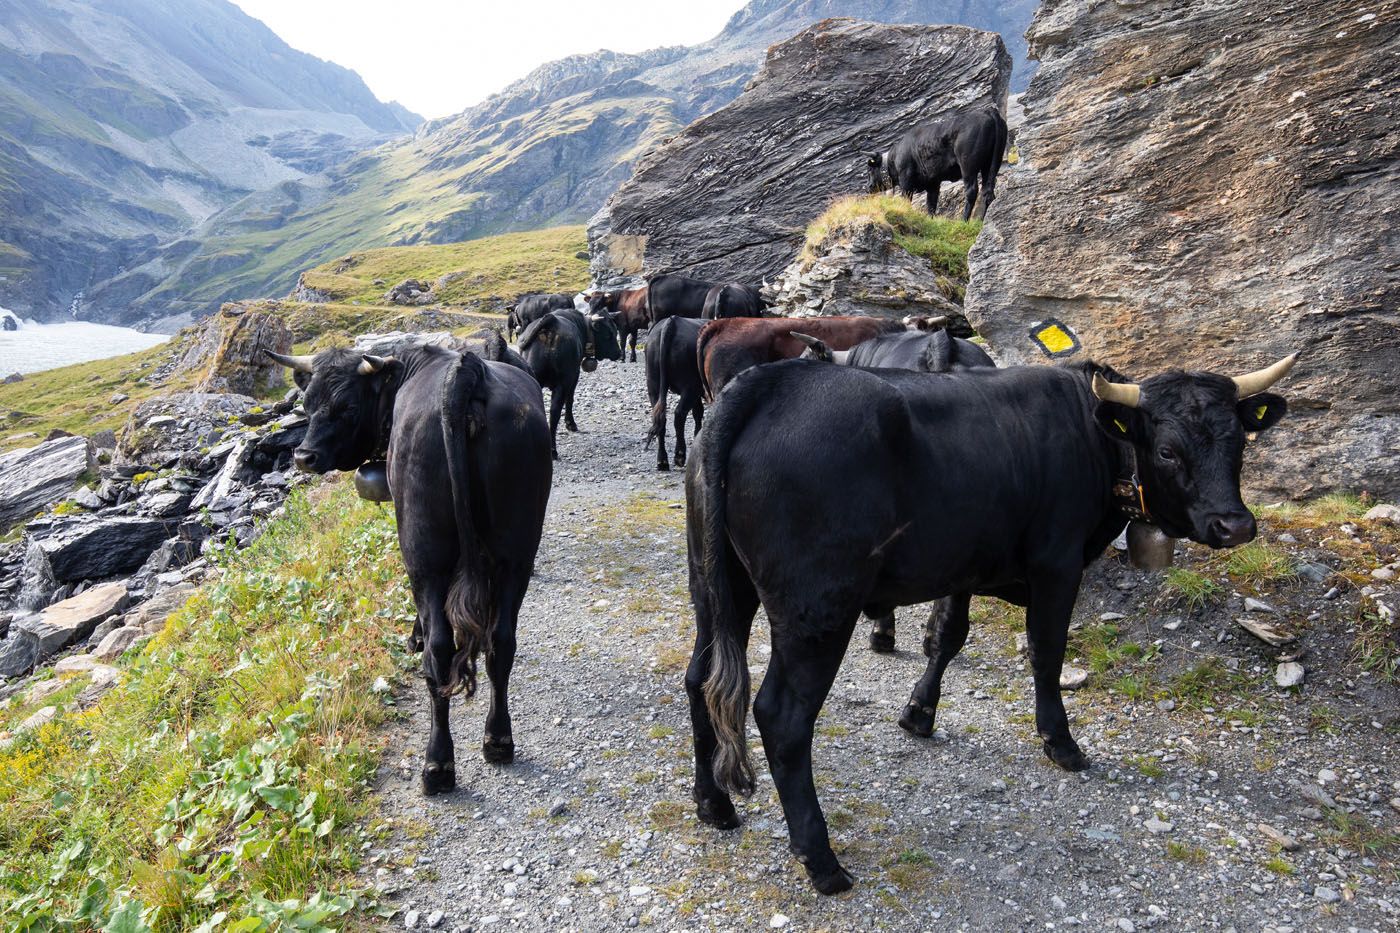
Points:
(729, 197)
(91, 547)
(35, 478)
(1213, 186)
(35, 638)
(239, 364)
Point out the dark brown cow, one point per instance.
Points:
(729, 346)
(630, 306)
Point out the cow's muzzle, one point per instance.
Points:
(1231, 529)
(306, 460)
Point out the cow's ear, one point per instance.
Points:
(1119, 421)
(301, 379)
(1262, 411)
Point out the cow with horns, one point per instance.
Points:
(1000, 482)
(558, 347)
(469, 472)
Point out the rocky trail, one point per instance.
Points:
(1216, 800)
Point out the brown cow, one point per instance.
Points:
(630, 304)
(729, 346)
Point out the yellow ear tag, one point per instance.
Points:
(1121, 426)
(1260, 412)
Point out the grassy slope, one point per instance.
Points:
(498, 266)
(940, 240)
(227, 775)
(76, 398)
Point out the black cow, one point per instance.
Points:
(469, 472)
(733, 300)
(920, 351)
(671, 295)
(630, 307)
(965, 147)
(530, 308)
(672, 367)
(830, 490)
(560, 345)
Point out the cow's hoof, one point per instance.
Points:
(680, 460)
(663, 467)
(556, 454)
(831, 882)
(439, 778)
(881, 642)
(1067, 755)
(917, 720)
(570, 426)
(498, 751)
(718, 812)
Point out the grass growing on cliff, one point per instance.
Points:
(496, 266)
(942, 241)
(222, 784)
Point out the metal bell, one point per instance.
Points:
(372, 481)
(1148, 547)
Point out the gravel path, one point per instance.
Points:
(1214, 812)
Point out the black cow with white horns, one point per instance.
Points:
(557, 348)
(906, 487)
(967, 147)
(469, 472)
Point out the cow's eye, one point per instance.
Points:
(1167, 454)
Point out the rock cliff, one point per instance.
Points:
(1212, 186)
(730, 197)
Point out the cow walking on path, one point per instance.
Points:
(672, 368)
(630, 309)
(823, 491)
(557, 348)
(469, 466)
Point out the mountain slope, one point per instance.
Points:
(547, 150)
(123, 125)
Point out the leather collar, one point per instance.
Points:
(1127, 488)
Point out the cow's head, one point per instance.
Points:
(818, 350)
(603, 342)
(875, 167)
(344, 396)
(598, 302)
(1188, 431)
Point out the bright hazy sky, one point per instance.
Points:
(438, 57)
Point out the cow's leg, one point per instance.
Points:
(415, 638)
(712, 804)
(632, 339)
(663, 462)
(569, 421)
(683, 405)
(882, 633)
(947, 629)
(1052, 599)
(439, 767)
(989, 192)
(556, 405)
(799, 677)
(498, 744)
(931, 198)
(969, 195)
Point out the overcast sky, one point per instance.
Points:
(438, 57)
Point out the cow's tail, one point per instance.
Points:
(727, 687)
(470, 601)
(660, 339)
(528, 335)
(939, 352)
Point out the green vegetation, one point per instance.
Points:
(1190, 589)
(1376, 647)
(1259, 562)
(1332, 508)
(1101, 649)
(942, 241)
(498, 266)
(1191, 855)
(220, 784)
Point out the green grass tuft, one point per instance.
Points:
(1190, 589)
(1259, 562)
(942, 241)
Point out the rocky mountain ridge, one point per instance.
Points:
(124, 126)
(547, 150)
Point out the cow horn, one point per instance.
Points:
(1124, 393)
(369, 364)
(1259, 380)
(819, 349)
(301, 364)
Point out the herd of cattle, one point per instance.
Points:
(910, 467)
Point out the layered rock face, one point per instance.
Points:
(1212, 186)
(730, 196)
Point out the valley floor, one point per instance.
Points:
(1195, 750)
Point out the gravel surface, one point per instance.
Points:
(1223, 804)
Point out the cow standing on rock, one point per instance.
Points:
(966, 148)
(906, 487)
(469, 473)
